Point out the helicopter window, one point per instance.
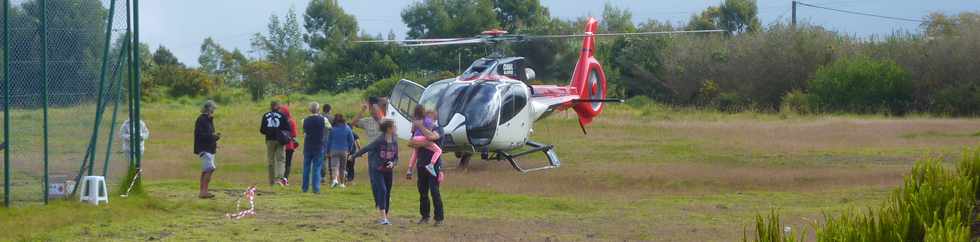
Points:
(482, 110)
(404, 99)
(431, 95)
(478, 68)
(514, 102)
(452, 99)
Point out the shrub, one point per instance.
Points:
(863, 85)
(960, 100)
(934, 204)
(733, 102)
(796, 101)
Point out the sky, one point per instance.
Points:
(181, 25)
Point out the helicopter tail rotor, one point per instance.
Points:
(588, 78)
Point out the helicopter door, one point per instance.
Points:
(515, 123)
(404, 97)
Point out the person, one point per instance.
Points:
(276, 129)
(206, 145)
(326, 135)
(314, 127)
(370, 123)
(424, 122)
(427, 183)
(125, 133)
(351, 161)
(292, 145)
(382, 159)
(341, 140)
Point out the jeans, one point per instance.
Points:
(380, 187)
(312, 164)
(428, 185)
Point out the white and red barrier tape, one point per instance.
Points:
(250, 195)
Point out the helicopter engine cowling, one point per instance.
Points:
(588, 79)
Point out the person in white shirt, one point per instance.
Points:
(126, 135)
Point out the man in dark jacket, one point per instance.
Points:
(206, 145)
(427, 183)
(276, 129)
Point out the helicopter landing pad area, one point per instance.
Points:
(642, 173)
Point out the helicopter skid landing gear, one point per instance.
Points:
(549, 151)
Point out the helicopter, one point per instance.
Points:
(490, 108)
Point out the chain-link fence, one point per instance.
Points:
(67, 76)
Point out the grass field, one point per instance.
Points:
(643, 173)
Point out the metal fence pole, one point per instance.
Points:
(6, 103)
(44, 89)
(136, 56)
(102, 76)
(133, 47)
(117, 83)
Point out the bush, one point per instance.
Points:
(934, 204)
(796, 101)
(962, 100)
(862, 85)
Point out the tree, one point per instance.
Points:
(446, 19)
(210, 58)
(283, 46)
(330, 31)
(707, 20)
(258, 76)
(221, 63)
(739, 16)
(617, 20)
(515, 15)
(163, 57)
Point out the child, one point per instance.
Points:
(424, 122)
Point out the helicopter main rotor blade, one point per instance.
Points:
(408, 40)
(626, 34)
(452, 42)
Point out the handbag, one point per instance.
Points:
(283, 137)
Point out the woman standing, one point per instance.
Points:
(292, 145)
(341, 141)
(382, 158)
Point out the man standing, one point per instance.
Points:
(314, 127)
(276, 129)
(206, 145)
(427, 183)
(370, 124)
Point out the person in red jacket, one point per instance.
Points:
(292, 145)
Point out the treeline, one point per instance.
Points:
(803, 68)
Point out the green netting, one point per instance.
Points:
(64, 42)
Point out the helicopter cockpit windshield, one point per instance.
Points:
(478, 68)
(478, 102)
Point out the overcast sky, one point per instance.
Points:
(181, 25)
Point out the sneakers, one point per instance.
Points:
(384, 222)
(281, 182)
(423, 221)
(285, 181)
(431, 169)
(438, 223)
(341, 185)
(334, 184)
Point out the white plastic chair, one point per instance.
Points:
(93, 190)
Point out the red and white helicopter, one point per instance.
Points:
(490, 109)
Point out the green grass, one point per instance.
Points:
(644, 172)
